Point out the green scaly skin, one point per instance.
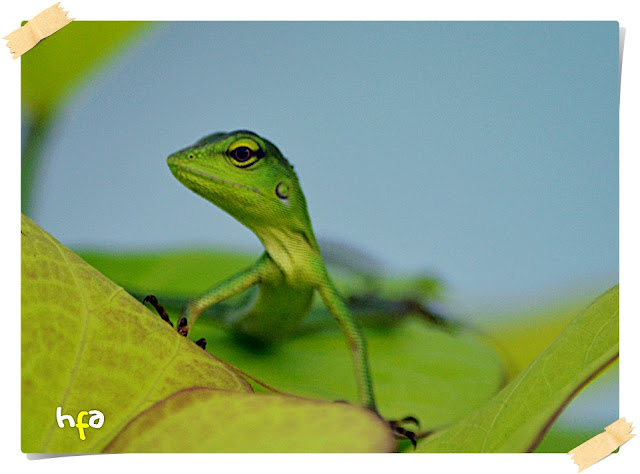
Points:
(247, 176)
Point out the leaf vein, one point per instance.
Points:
(503, 404)
(613, 317)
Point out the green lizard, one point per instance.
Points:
(248, 177)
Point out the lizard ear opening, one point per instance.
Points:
(282, 191)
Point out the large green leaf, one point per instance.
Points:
(88, 345)
(205, 420)
(516, 418)
(417, 370)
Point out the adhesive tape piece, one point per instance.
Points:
(39, 27)
(600, 446)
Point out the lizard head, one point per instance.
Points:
(246, 176)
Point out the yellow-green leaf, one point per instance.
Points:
(517, 417)
(204, 420)
(88, 345)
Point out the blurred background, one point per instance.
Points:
(485, 154)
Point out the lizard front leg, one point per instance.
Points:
(355, 340)
(228, 288)
(357, 344)
(220, 292)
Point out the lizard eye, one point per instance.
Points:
(244, 156)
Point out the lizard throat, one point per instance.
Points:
(289, 250)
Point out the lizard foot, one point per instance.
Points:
(395, 426)
(153, 301)
(398, 431)
(183, 328)
(401, 433)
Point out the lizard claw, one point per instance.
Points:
(153, 301)
(402, 433)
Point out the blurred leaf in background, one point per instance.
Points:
(53, 71)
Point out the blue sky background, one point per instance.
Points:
(486, 152)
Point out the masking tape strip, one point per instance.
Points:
(39, 27)
(600, 446)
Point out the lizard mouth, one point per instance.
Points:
(175, 169)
